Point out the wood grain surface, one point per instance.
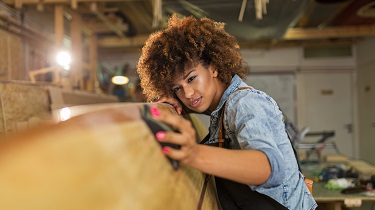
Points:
(103, 158)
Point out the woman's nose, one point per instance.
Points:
(189, 91)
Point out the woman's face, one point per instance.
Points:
(199, 88)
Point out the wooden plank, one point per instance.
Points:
(40, 7)
(93, 84)
(76, 72)
(18, 4)
(329, 32)
(3, 55)
(56, 1)
(109, 24)
(123, 42)
(74, 4)
(59, 26)
(15, 26)
(106, 158)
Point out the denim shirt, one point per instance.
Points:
(253, 120)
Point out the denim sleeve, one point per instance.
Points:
(258, 125)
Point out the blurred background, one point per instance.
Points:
(315, 57)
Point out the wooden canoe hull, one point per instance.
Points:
(106, 159)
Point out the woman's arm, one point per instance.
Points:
(178, 105)
(172, 101)
(244, 166)
(255, 122)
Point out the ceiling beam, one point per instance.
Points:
(118, 45)
(291, 35)
(270, 44)
(100, 27)
(330, 32)
(109, 24)
(143, 19)
(136, 41)
(23, 2)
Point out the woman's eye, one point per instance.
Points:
(191, 78)
(176, 89)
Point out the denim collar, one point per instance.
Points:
(233, 85)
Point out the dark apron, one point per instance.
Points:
(236, 196)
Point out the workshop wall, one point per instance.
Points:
(11, 57)
(366, 99)
(22, 106)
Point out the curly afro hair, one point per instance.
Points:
(185, 43)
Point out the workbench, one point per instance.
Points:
(334, 199)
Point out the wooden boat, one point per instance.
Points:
(106, 157)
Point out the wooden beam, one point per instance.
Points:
(330, 32)
(18, 4)
(40, 7)
(74, 4)
(76, 36)
(142, 20)
(89, 8)
(93, 7)
(136, 41)
(99, 27)
(304, 18)
(271, 44)
(15, 26)
(84, 28)
(93, 84)
(109, 24)
(59, 26)
(24, 2)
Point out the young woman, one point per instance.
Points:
(195, 64)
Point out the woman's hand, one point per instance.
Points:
(172, 101)
(244, 166)
(185, 136)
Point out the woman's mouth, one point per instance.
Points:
(196, 102)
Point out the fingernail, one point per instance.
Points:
(160, 135)
(156, 100)
(154, 111)
(179, 111)
(165, 149)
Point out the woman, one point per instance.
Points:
(195, 64)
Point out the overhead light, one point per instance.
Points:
(64, 59)
(120, 80)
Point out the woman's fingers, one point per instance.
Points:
(171, 137)
(177, 154)
(185, 135)
(185, 154)
(172, 101)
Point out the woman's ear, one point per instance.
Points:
(213, 71)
